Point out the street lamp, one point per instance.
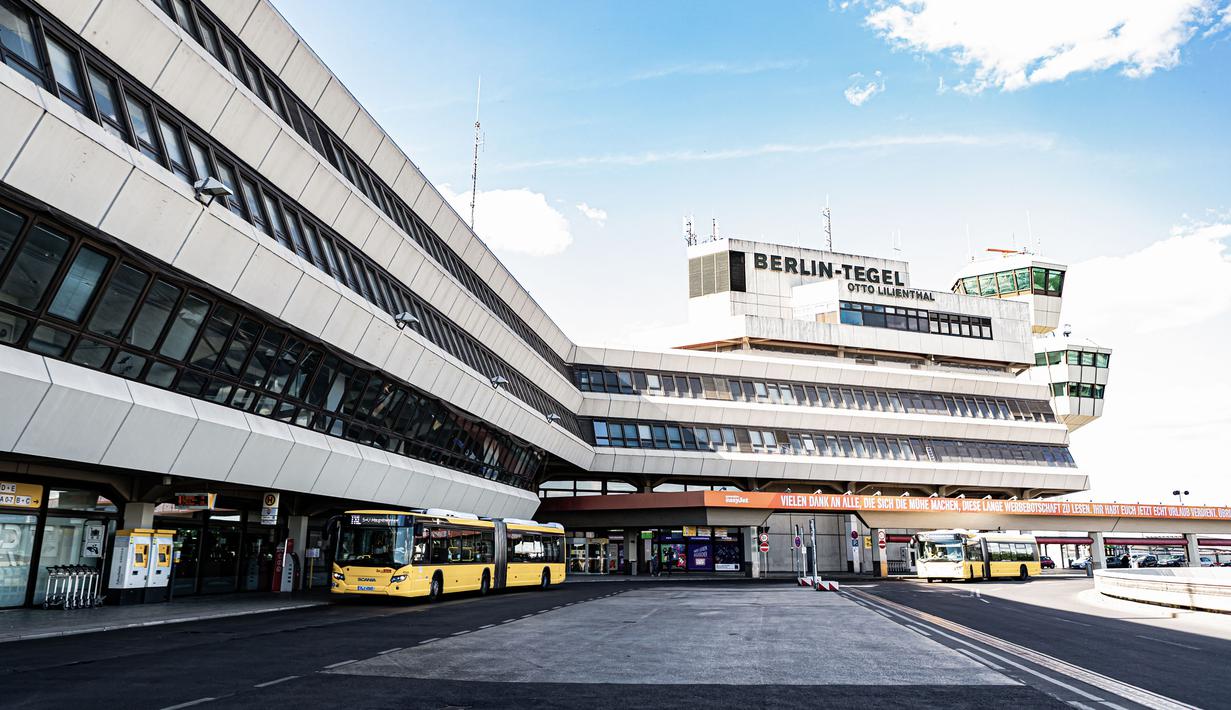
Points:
(1180, 494)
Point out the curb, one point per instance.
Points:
(156, 622)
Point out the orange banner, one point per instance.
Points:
(913, 504)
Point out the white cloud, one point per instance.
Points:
(857, 94)
(593, 214)
(1165, 311)
(515, 220)
(1033, 141)
(1018, 43)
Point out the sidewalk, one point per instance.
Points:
(27, 624)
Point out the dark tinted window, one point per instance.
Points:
(33, 268)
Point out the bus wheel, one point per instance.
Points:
(437, 589)
(1023, 574)
(485, 585)
(546, 582)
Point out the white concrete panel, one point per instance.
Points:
(78, 416)
(404, 356)
(269, 36)
(339, 469)
(24, 381)
(336, 107)
(215, 252)
(311, 304)
(364, 136)
(417, 482)
(64, 168)
(194, 85)
(263, 454)
(20, 115)
(73, 13)
(370, 474)
(388, 162)
(356, 220)
(409, 184)
(152, 216)
(304, 463)
(289, 163)
(156, 428)
(324, 194)
(428, 204)
(377, 342)
(305, 74)
(234, 13)
(246, 128)
(268, 281)
(396, 479)
(406, 261)
(383, 242)
(214, 444)
(347, 325)
(134, 35)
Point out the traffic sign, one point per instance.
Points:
(854, 534)
(764, 547)
(799, 541)
(881, 540)
(763, 538)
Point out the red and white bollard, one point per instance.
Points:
(826, 586)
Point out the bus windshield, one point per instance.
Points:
(945, 551)
(374, 546)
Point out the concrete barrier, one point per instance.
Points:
(1203, 588)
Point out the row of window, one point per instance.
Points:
(767, 392)
(125, 110)
(916, 320)
(574, 488)
(686, 437)
(1073, 357)
(1010, 552)
(77, 300)
(227, 48)
(1044, 282)
(1078, 389)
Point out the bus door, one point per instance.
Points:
(501, 555)
(987, 558)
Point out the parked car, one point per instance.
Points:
(1172, 561)
(1080, 563)
(1117, 561)
(1047, 563)
(1206, 561)
(1146, 560)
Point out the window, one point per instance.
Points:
(200, 159)
(17, 41)
(105, 101)
(252, 200)
(1006, 283)
(65, 69)
(1102, 359)
(234, 202)
(184, 327)
(79, 284)
(175, 149)
(153, 315)
(142, 125)
(33, 268)
(1040, 280)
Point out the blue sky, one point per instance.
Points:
(1107, 122)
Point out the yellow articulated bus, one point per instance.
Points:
(434, 552)
(969, 555)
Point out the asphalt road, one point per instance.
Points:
(1185, 656)
(300, 659)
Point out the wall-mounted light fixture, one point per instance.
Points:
(207, 188)
(498, 381)
(404, 319)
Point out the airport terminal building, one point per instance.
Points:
(232, 307)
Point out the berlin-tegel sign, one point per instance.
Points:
(911, 504)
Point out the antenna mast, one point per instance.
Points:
(690, 237)
(474, 173)
(828, 225)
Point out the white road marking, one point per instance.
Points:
(389, 650)
(918, 629)
(1070, 621)
(979, 658)
(459, 633)
(1133, 693)
(340, 663)
(268, 683)
(1079, 706)
(1169, 643)
(190, 703)
(434, 638)
(486, 626)
(508, 621)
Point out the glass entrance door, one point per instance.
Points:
(16, 553)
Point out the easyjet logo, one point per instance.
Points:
(737, 500)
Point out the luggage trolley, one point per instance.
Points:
(72, 587)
